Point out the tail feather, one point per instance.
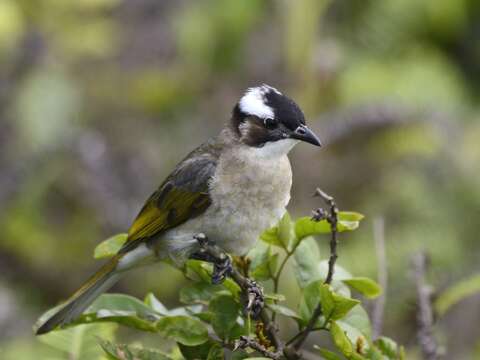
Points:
(98, 283)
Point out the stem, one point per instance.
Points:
(379, 304)
(332, 218)
(425, 337)
(246, 342)
(276, 278)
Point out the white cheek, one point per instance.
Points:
(274, 149)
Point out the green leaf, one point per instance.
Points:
(125, 352)
(374, 353)
(109, 247)
(270, 236)
(350, 216)
(335, 306)
(339, 273)
(272, 297)
(198, 270)
(196, 352)
(365, 286)
(121, 302)
(307, 259)
(79, 342)
(273, 263)
(116, 352)
(341, 340)
(225, 312)
(216, 352)
(387, 346)
(286, 232)
(306, 226)
(327, 354)
(239, 355)
(118, 308)
(309, 268)
(260, 266)
(183, 329)
(456, 293)
(201, 271)
(199, 293)
(155, 304)
(356, 324)
(285, 311)
(309, 301)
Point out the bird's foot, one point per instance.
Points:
(255, 299)
(222, 268)
(210, 252)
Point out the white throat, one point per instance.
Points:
(275, 149)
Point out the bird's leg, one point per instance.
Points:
(210, 252)
(222, 267)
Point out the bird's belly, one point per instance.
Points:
(231, 224)
(236, 231)
(246, 201)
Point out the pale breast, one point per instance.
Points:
(249, 194)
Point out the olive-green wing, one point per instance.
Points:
(182, 196)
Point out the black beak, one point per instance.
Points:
(303, 133)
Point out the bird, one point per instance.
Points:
(231, 188)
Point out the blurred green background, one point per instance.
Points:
(99, 99)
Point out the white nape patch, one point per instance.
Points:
(273, 149)
(254, 102)
(138, 256)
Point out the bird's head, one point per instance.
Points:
(265, 118)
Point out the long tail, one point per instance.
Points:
(98, 283)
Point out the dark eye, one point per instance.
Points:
(270, 123)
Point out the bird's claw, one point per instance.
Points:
(255, 299)
(222, 268)
(222, 264)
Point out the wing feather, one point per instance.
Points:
(182, 196)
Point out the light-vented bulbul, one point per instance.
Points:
(231, 188)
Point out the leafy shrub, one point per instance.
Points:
(212, 323)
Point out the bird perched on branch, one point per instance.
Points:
(230, 188)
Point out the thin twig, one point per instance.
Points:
(332, 217)
(425, 337)
(379, 304)
(246, 342)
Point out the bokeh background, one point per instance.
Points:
(99, 99)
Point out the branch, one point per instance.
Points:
(425, 337)
(332, 217)
(246, 342)
(379, 304)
